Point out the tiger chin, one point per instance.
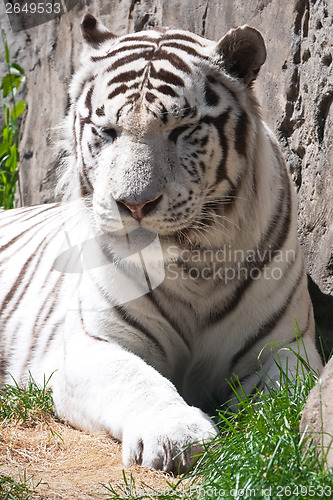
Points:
(173, 263)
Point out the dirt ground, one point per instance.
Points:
(69, 464)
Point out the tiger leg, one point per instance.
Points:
(285, 363)
(291, 361)
(102, 386)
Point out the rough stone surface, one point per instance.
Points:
(317, 416)
(295, 88)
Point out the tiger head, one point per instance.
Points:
(163, 125)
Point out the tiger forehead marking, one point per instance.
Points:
(149, 72)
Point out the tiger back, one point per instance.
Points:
(173, 263)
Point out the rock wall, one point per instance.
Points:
(295, 88)
(317, 416)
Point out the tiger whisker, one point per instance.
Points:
(226, 199)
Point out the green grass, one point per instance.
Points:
(260, 450)
(9, 135)
(24, 489)
(23, 405)
(20, 404)
(258, 453)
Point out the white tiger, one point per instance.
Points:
(174, 258)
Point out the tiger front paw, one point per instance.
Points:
(169, 440)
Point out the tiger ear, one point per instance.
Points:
(94, 32)
(243, 52)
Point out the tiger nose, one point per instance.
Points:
(140, 210)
